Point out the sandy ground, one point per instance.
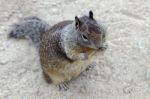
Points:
(122, 72)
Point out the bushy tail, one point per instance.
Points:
(31, 28)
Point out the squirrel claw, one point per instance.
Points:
(63, 87)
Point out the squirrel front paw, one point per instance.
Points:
(83, 56)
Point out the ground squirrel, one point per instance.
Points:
(65, 49)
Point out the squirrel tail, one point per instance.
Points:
(29, 28)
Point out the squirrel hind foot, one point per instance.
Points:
(63, 87)
(47, 78)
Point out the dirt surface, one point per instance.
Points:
(122, 72)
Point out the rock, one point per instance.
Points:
(3, 61)
(55, 10)
(127, 90)
(3, 46)
(147, 75)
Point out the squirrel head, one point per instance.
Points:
(90, 32)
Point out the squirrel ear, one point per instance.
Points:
(77, 22)
(90, 14)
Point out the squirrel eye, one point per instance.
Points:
(84, 38)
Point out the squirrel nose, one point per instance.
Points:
(100, 46)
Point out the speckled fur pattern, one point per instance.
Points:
(59, 53)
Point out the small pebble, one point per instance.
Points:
(127, 90)
(22, 71)
(148, 74)
(55, 11)
(3, 46)
(82, 89)
(4, 61)
(34, 1)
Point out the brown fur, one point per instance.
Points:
(57, 64)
